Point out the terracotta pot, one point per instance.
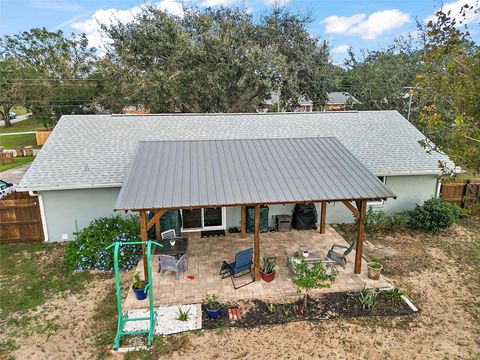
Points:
(267, 277)
(374, 272)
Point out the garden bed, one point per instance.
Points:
(258, 312)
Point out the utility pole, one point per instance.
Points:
(410, 97)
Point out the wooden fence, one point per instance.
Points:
(463, 194)
(20, 219)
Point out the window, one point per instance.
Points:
(203, 219)
(383, 179)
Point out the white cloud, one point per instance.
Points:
(277, 2)
(455, 9)
(367, 28)
(213, 3)
(92, 26)
(340, 49)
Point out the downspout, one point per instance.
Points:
(438, 188)
(42, 214)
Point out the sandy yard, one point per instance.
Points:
(439, 273)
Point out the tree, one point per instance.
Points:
(449, 87)
(379, 78)
(59, 68)
(214, 60)
(308, 277)
(11, 88)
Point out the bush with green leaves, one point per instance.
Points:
(434, 214)
(310, 276)
(379, 220)
(88, 252)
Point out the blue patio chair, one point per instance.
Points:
(240, 267)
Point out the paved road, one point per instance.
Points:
(19, 118)
(14, 175)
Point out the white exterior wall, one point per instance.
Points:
(67, 210)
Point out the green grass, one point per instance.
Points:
(19, 110)
(18, 162)
(21, 126)
(12, 141)
(30, 274)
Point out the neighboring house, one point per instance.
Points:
(340, 101)
(304, 104)
(78, 173)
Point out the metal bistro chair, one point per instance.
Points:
(340, 258)
(169, 234)
(170, 263)
(242, 264)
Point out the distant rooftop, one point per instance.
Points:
(341, 98)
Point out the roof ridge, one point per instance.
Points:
(241, 139)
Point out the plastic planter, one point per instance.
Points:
(140, 294)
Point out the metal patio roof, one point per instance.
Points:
(207, 173)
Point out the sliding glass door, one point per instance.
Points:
(203, 219)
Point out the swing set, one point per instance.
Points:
(123, 318)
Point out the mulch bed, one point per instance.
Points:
(319, 308)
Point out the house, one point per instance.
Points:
(339, 100)
(79, 172)
(304, 104)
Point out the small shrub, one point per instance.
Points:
(183, 315)
(376, 219)
(434, 215)
(379, 220)
(212, 302)
(138, 283)
(268, 264)
(286, 308)
(271, 308)
(88, 250)
(367, 299)
(394, 294)
(308, 277)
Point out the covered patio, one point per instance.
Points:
(205, 257)
(170, 175)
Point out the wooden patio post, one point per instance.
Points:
(360, 236)
(323, 217)
(158, 230)
(256, 244)
(144, 235)
(243, 222)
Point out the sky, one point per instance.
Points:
(361, 24)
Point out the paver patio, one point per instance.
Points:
(205, 256)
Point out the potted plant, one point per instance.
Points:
(267, 270)
(139, 287)
(374, 270)
(213, 306)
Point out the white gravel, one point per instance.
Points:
(167, 322)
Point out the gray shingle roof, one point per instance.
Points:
(97, 150)
(202, 173)
(341, 98)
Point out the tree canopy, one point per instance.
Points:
(53, 70)
(216, 60)
(225, 60)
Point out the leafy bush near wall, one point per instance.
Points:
(434, 214)
(379, 220)
(88, 250)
